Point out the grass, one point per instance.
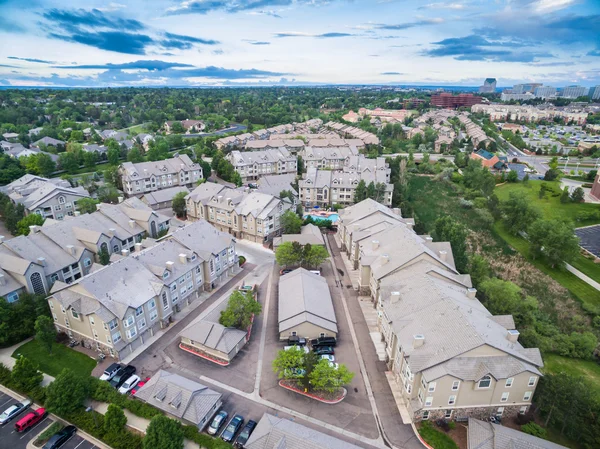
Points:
(550, 207)
(61, 357)
(587, 267)
(585, 368)
(435, 438)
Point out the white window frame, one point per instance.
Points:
(452, 399)
(131, 333)
(425, 416)
(489, 378)
(509, 382)
(527, 395)
(431, 387)
(448, 414)
(428, 401)
(116, 337)
(455, 385)
(505, 396)
(153, 315)
(532, 381)
(141, 323)
(92, 321)
(87, 262)
(74, 314)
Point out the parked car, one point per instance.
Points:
(245, 434)
(129, 384)
(140, 384)
(60, 438)
(324, 350)
(329, 357)
(217, 422)
(297, 341)
(110, 372)
(324, 341)
(285, 271)
(232, 428)
(301, 348)
(14, 411)
(122, 375)
(30, 419)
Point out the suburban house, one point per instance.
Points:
(305, 306)
(485, 435)
(189, 126)
(253, 165)
(163, 199)
(181, 398)
(250, 215)
(487, 159)
(50, 198)
(49, 142)
(309, 235)
(144, 140)
(291, 145)
(116, 308)
(100, 150)
(273, 432)
(140, 178)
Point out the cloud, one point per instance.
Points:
(266, 13)
(40, 61)
(120, 42)
(595, 52)
(75, 19)
(444, 5)
(235, 6)
(181, 42)
(112, 7)
(252, 42)
(318, 36)
(548, 6)
(9, 66)
(407, 25)
(391, 73)
(151, 65)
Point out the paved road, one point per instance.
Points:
(233, 129)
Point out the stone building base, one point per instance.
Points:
(462, 414)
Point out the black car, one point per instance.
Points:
(245, 434)
(232, 428)
(324, 350)
(324, 341)
(295, 340)
(122, 375)
(60, 438)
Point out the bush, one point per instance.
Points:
(465, 203)
(435, 438)
(241, 260)
(46, 434)
(534, 429)
(191, 433)
(103, 392)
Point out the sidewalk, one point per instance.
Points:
(7, 360)
(583, 277)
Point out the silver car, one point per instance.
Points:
(13, 411)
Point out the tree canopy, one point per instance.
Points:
(241, 306)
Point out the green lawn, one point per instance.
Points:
(61, 357)
(436, 438)
(587, 267)
(586, 368)
(550, 207)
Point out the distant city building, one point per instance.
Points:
(489, 86)
(525, 88)
(532, 114)
(411, 103)
(545, 92)
(447, 100)
(594, 93)
(574, 92)
(508, 95)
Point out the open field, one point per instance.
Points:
(61, 357)
(588, 369)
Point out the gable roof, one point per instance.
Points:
(485, 435)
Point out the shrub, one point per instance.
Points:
(46, 434)
(241, 260)
(435, 438)
(191, 433)
(465, 203)
(534, 429)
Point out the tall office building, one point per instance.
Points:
(545, 92)
(595, 93)
(574, 91)
(489, 86)
(524, 88)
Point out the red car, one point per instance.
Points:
(30, 420)
(140, 384)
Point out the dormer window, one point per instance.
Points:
(485, 382)
(166, 274)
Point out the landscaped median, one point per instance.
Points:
(203, 355)
(326, 397)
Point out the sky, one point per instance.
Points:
(297, 42)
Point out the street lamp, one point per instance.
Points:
(91, 410)
(566, 162)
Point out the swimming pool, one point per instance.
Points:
(332, 217)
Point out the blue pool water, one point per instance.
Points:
(332, 217)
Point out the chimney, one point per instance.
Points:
(385, 259)
(1, 239)
(132, 224)
(2, 279)
(375, 244)
(111, 232)
(98, 206)
(443, 255)
(471, 293)
(77, 213)
(125, 252)
(183, 258)
(138, 247)
(41, 261)
(170, 265)
(70, 249)
(397, 211)
(418, 340)
(120, 199)
(512, 335)
(33, 229)
(394, 297)
(428, 239)
(219, 198)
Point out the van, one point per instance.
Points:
(317, 272)
(30, 420)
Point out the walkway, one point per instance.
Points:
(7, 360)
(582, 276)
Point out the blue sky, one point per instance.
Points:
(264, 42)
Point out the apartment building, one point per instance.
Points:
(352, 132)
(50, 198)
(574, 91)
(116, 308)
(327, 157)
(256, 164)
(474, 131)
(65, 250)
(291, 145)
(138, 179)
(447, 100)
(250, 215)
(498, 112)
(324, 187)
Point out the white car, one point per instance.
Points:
(129, 384)
(300, 348)
(328, 357)
(13, 411)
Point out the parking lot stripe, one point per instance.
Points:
(29, 430)
(11, 399)
(82, 441)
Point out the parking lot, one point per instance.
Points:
(12, 439)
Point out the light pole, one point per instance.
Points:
(566, 162)
(91, 410)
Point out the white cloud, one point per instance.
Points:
(548, 6)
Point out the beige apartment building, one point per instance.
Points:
(244, 214)
(138, 179)
(252, 165)
(326, 157)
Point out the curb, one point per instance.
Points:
(311, 396)
(202, 356)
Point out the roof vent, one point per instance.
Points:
(513, 335)
(394, 297)
(169, 265)
(70, 249)
(429, 239)
(162, 393)
(131, 224)
(183, 258)
(375, 244)
(443, 255)
(125, 252)
(471, 292)
(34, 229)
(41, 261)
(418, 340)
(385, 259)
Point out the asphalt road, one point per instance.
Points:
(232, 129)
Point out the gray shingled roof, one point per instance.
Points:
(485, 435)
(214, 335)
(161, 196)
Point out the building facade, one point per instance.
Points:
(447, 100)
(256, 164)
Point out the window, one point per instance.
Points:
(165, 301)
(425, 415)
(58, 207)
(509, 382)
(139, 311)
(87, 262)
(504, 397)
(531, 382)
(173, 286)
(199, 271)
(428, 401)
(527, 395)
(51, 305)
(55, 317)
(452, 400)
(61, 199)
(95, 334)
(108, 339)
(175, 296)
(485, 382)
(420, 396)
(455, 385)
(62, 309)
(500, 412)
(67, 323)
(12, 297)
(54, 277)
(321, 335)
(116, 249)
(116, 337)
(523, 410)
(152, 304)
(74, 313)
(92, 322)
(142, 323)
(113, 324)
(448, 414)
(153, 315)
(37, 283)
(166, 274)
(431, 387)
(193, 257)
(131, 333)
(127, 322)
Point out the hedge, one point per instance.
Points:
(203, 440)
(102, 391)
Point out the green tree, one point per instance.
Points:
(288, 254)
(89, 159)
(553, 240)
(87, 205)
(104, 256)
(113, 154)
(241, 306)
(313, 255)
(578, 195)
(26, 375)
(45, 165)
(206, 169)
(534, 429)
(291, 223)
(68, 162)
(163, 433)
(512, 176)
(45, 332)
(29, 220)
(134, 155)
(500, 297)
(564, 197)
(360, 193)
(478, 268)
(518, 213)
(236, 179)
(325, 376)
(114, 420)
(66, 394)
(371, 191)
(286, 364)
(447, 229)
(179, 205)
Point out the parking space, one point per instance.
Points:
(77, 442)
(9, 437)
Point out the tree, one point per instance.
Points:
(66, 394)
(564, 197)
(206, 170)
(134, 155)
(518, 213)
(163, 433)
(26, 375)
(287, 363)
(87, 205)
(113, 154)
(371, 191)
(179, 206)
(447, 229)
(29, 220)
(325, 376)
(241, 306)
(554, 240)
(291, 223)
(17, 319)
(236, 179)
(313, 255)
(578, 195)
(288, 254)
(360, 193)
(45, 165)
(89, 159)
(512, 176)
(500, 297)
(68, 162)
(114, 420)
(104, 256)
(478, 268)
(45, 332)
